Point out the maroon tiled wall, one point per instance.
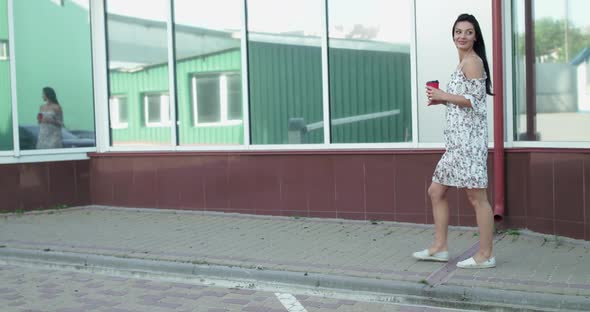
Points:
(45, 185)
(380, 186)
(546, 191)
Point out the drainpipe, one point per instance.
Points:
(498, 84)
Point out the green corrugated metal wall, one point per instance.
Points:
(365, 82)
(285, 82)
(132, 85)
(228, 61)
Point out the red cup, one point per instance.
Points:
(39, 117)
(432, 83)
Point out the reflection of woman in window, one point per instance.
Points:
(464, 163)
(50, 120)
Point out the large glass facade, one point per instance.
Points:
(285, 71)
(53, 68)
(209, 71)
(370, 76)
(437, 57)
(374, 91)
(551, 61)
(5, 98)
(139, 88)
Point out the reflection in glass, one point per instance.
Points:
(370, 83)
(5, 97)
(138, 71)
(208, 71)
(551, 81)
(285, 72)
(63, 64)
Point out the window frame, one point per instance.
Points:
(4, 50)
(223, 99)
(114, 109)
(164, 106)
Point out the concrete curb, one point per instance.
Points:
(378, 290)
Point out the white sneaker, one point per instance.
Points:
(471, 264)
(442, 256)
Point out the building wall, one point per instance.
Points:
(546, 191)
(273, 102)
(46, 185)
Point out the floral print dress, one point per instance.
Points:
(464, 164)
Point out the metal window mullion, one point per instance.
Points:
(325, 75)
(100, 73)
(174, 121)
(12, 62)
(245, 78)
(414, 75)
(195, 103)
(508, 75)
(223, 97)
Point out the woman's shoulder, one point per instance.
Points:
(472, 67)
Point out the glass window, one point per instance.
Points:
(118, 110)
(437, 57)
(53, 65)
(3, 50)
(208, 99)
(208, 67)
(370, 77)
(157, 109)
(217, 99)
(285, 71)
(138, 70)
(551, 86)
(5, 96)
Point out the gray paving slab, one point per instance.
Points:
(32, 289)
(357, 253)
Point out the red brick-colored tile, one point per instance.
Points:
(322, 214)
(351, 215)
(569, 188)
(120, 177)
(411, 218)
(82, 182)
(539, 225)
(541, 186)
(349, 183)
(9, 187)
(517, 171)
(144, 187)
(380, 185)
(34, 186)
(62, 183)
(414, 176)
(319, 181)
(570, 229)
(214, 172)
(293, 187)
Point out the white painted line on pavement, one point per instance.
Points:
(290, 302)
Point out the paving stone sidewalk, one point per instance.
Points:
(374, 250)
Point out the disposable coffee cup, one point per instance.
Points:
(432, 83)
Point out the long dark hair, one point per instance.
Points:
(478, 46)
(50, 95)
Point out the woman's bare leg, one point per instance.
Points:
(485, 222)
(440, 211)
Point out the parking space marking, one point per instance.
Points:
(290, 302)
